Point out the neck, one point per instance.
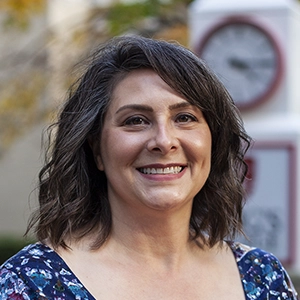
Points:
(161, 238)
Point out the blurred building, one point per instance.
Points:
(23, 59)
(34, 60)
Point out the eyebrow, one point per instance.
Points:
(148, 108)
(135, 107)
(180, 105)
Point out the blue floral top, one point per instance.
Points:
(38, 272)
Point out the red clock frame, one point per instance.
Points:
(249, 21)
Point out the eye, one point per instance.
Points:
(185, 118)
(135, 120)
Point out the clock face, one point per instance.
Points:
(246, 59)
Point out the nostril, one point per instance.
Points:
(157, 149)
(163, 149)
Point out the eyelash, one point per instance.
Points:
(130, 121)
(191, 118)
(138, 120)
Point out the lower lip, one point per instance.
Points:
(163, 177)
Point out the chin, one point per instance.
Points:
(167, 205)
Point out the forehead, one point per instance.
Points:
(142, 85)
(139, 79)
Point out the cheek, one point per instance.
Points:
(119, 149)
(201, 145)
(201, 151)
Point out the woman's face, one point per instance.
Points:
(155, 146)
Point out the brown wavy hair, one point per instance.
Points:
(73, 198)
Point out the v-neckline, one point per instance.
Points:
(232, 245)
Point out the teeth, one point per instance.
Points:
(169, 170)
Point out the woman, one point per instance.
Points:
(143, 187)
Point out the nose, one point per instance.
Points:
(163, 139)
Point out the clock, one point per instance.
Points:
(246, 58)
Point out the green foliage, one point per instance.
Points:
(19, 105)
(123, 16)
(10, 246)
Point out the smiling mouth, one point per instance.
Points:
(168, 170)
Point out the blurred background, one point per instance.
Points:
(41, 41)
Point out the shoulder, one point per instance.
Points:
(262, 273)
(16, 271)
(38, 272)
(37, 255)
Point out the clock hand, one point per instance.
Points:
(238, 64)
(242, 64)
(249, 68)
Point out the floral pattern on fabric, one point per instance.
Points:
(37, 272)
(263, 277)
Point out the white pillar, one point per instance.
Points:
(273, 124)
